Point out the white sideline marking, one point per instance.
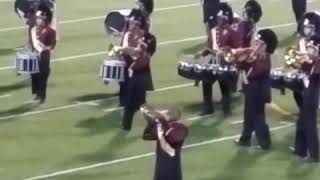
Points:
(160, 44)
(5, 96)
(108, 163)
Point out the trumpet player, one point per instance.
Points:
(167, 129)
(257, 89)
(306, 141)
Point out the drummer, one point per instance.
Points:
(43, 39)
(135, 31)
(137, 48)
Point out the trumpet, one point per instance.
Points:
(294, 58)
(240, 55)
(153, 118)
(164, 116)
(249, 54)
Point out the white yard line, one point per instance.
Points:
(174, 87)
(5, 96)
(78, 104)
(123, 160)
(41, 111)
(236, 122)
(69, 58)
(241, 121)
(101, 17)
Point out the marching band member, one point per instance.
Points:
(306, 140)
(257, 89)
(144, 19)
(222, 37)
(246, 28)
(131, 37)
(309, 27)
(167, 129)
(43, 39)
(26, 10)
(137, 54)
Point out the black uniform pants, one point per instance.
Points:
(299, 8)
(256, 95)
(306, 141)
(134, 97)
(39, 80)
(225, 87)
(298, 97)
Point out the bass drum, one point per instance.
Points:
(26, 8)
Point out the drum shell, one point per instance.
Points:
(294, 82)
(27, 62)
(113, 71)
(186, 72)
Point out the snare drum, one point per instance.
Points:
(294, 80)
(27, 62)
(194, 69)
(113, 71)
(277, 78)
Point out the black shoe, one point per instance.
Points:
(206, 112)
(259, 147)
(226, 113)
(116, 94)
(311, 160)
(126, 128)
(240, 143)
(293, 151)
(36, 98)
(42, 101)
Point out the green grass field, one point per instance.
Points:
(83, 141)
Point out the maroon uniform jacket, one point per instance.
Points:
(140, 60)
(313, 68)
(224, 37)
(245, 31)
(259, 69)
(175, 133)
(46, 36)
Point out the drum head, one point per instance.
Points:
(25, 8)
(115, 23)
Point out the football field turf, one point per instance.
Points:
(76, 135)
